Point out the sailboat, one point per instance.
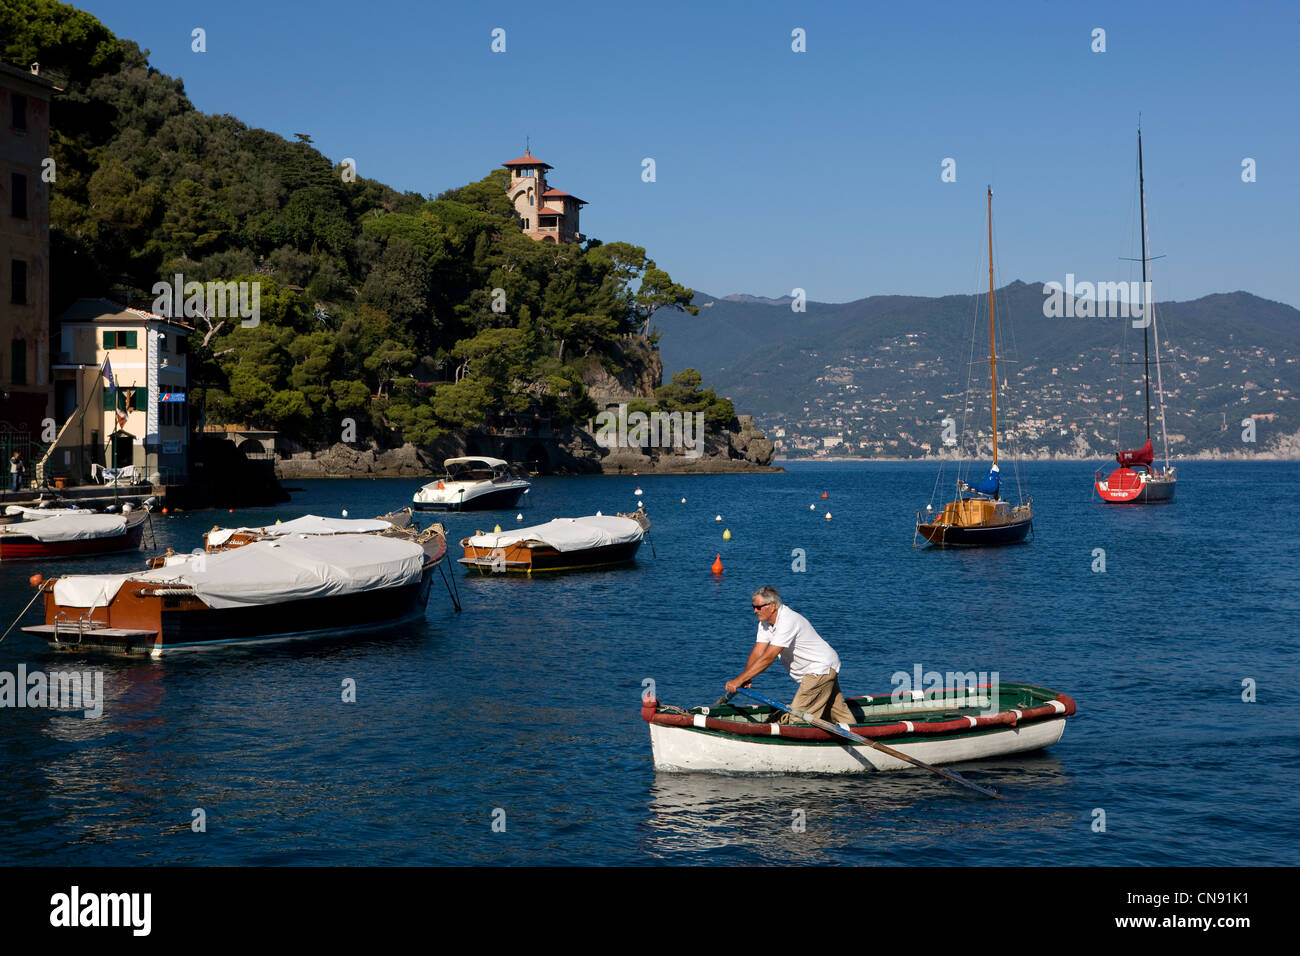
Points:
(979, 517)
(1136, 481)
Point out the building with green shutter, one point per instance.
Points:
(120, 395)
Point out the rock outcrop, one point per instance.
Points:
(347, 461)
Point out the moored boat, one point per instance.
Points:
(221, 538)
(979, 517)
(14, 514)
(972, 724)
(71, 535)
(472, 484)
(564, 544)
(1137, 480)
(296, 585)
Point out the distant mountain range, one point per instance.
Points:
(881, 374)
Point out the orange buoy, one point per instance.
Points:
(35, 580)
(717, 564)
(825, 495)
(164, 511)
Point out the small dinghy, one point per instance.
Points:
(969, 725)
(565, 544)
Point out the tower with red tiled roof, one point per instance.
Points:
(546, 214)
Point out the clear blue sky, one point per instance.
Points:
(818, 170)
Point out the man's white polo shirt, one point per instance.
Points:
(803, 651)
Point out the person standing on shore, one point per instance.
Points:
(16, 470)
(807, 658)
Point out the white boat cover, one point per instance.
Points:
(70, 527)
(32, 514)
(567, 534)
(292, 568)
(307, 524)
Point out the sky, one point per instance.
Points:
(820, 169)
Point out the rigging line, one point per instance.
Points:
(1008, 333)
(1160, 389)
(1122, 386)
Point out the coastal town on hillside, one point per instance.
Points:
(1061, 411)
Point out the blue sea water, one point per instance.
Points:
(523, 709)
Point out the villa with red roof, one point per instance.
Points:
(547, 215)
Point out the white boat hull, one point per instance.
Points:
(693, 750)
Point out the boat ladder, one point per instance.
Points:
(83, 624)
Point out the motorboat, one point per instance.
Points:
(472, 484)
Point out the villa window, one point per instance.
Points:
(18, 196)
(18, 363)
(20, 112)
(17, 282)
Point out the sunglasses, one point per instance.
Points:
(759, 607)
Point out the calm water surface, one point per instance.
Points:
(524, 708)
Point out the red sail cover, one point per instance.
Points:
(1141, 456)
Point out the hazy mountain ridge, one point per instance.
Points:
(888, 369)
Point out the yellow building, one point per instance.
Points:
(143, 421)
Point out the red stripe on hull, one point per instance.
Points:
(29, 549)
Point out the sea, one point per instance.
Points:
(509, 732)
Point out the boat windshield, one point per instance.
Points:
(479, 471)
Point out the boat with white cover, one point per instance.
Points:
(293, 585)
(563, 544)
(971, 724)
(472, 484)
(71, 535)
(397, 521)
(15, 513)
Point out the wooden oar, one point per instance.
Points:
(897, 754)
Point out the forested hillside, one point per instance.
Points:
(411, 315)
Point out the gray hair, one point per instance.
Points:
(768, 595)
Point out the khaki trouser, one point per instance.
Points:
(819, 695)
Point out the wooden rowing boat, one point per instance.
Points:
(971, 724)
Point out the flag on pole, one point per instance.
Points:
(112, 387)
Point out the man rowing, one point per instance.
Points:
(807, 658)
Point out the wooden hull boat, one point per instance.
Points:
(71, 536)
(265, 590)
(979, 518)
(972, 726)
(472, 484)
(977, 522)
(565, 544)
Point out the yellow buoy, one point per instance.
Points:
(726, 535)
(497, 528)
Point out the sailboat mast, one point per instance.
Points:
(993, 353)
(1142, 225)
